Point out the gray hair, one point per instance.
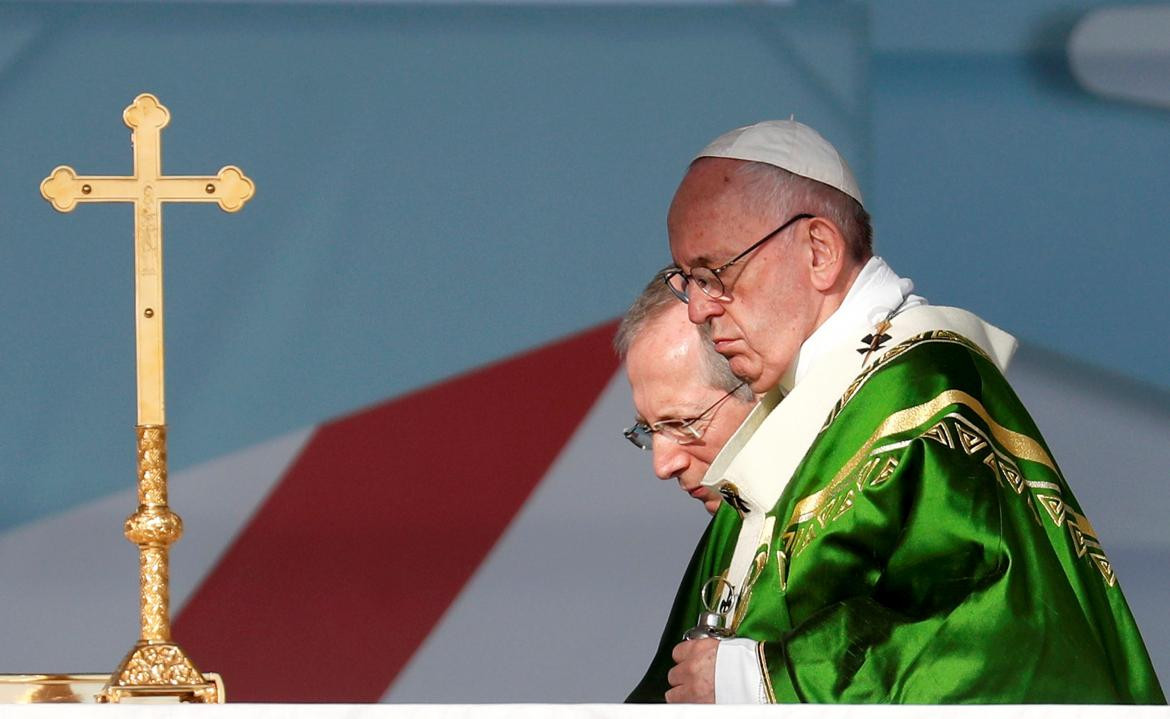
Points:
(772, 188)
(654, 301)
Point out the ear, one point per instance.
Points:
(827, 260)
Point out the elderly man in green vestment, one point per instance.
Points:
(894, 527)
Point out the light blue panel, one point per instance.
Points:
(438, 187)
(996, 28)
(1002, 187)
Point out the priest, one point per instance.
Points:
(687, 400)
(894, 528)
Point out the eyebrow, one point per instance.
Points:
(675, 417)
(702, 261)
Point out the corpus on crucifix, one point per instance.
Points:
(156, 666)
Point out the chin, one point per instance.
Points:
(761, 386)
(747, 374)
(761, 382)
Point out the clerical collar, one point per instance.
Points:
(876, 293)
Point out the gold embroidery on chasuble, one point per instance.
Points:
(972, 441)
(887, 472)
(1000, 445)
(762, 660)
(892, 354)
(745, 594)
(940, 434)
(1054, 505)
(782, 566)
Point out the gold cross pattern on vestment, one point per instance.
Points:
(873, 342)
(156, 666)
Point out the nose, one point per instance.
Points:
(701, 308)
(669, 458)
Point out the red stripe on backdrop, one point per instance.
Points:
(380, 522)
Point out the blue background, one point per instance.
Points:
(441, 186)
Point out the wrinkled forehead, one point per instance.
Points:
(710, 214)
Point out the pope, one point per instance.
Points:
(895, 528)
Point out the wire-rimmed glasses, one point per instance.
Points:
(708, 279)
(681, 431)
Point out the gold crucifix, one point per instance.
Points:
(156, 666)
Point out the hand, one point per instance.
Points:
(692, 679)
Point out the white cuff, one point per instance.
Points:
(738, 678)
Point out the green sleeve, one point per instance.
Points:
(940, 584)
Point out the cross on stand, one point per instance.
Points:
(156, 666)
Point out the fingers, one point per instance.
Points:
(683, 671)
(684, 650)
(692, 678)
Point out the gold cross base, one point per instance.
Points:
(161, 671)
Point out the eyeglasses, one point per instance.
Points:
(708, 279)
(680, 431)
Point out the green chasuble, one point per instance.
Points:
(926, 549)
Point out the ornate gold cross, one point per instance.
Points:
(156, 666)
(148, 188)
